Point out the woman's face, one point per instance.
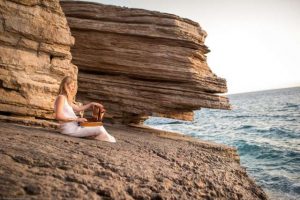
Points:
(71, 87)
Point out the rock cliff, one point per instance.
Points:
(141, 63)
(144, 164)
(35, 55)
(138, 63)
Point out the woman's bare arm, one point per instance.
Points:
(77, 108)
(59, 110)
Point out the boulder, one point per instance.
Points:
(141, 63)
(35, 43)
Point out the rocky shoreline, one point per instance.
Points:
(138, 63)
(40, 163)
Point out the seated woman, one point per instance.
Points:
(64, 113)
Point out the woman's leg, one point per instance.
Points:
(97, 132)
(91, 137)
(106, 136)
(86, 131)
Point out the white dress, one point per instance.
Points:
(73, 129)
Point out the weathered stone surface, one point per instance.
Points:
(141, 63)
(35, 55)
(40, 163)
(144, 164)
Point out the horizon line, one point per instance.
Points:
(260, 90)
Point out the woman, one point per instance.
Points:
(64, 113)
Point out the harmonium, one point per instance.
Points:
(95, 119)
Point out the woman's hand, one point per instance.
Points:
(97, 104)
(81, 120)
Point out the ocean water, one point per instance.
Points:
(264, 127)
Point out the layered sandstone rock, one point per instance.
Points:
(35, 54)
(167, 76)
(140, 63)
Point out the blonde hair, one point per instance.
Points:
(63, 89)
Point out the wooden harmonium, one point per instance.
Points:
(96, 119)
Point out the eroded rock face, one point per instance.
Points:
(140, 63)
(35, 55)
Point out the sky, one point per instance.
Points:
(255, 44)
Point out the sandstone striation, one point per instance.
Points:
(138, 63)
(35, 55)
(144, 164)
(141, 63)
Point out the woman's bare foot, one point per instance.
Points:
(105, 137)
(101, 136)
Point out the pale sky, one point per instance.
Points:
(255, 44)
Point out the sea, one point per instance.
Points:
(264, 126)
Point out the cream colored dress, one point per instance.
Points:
(73, 129)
